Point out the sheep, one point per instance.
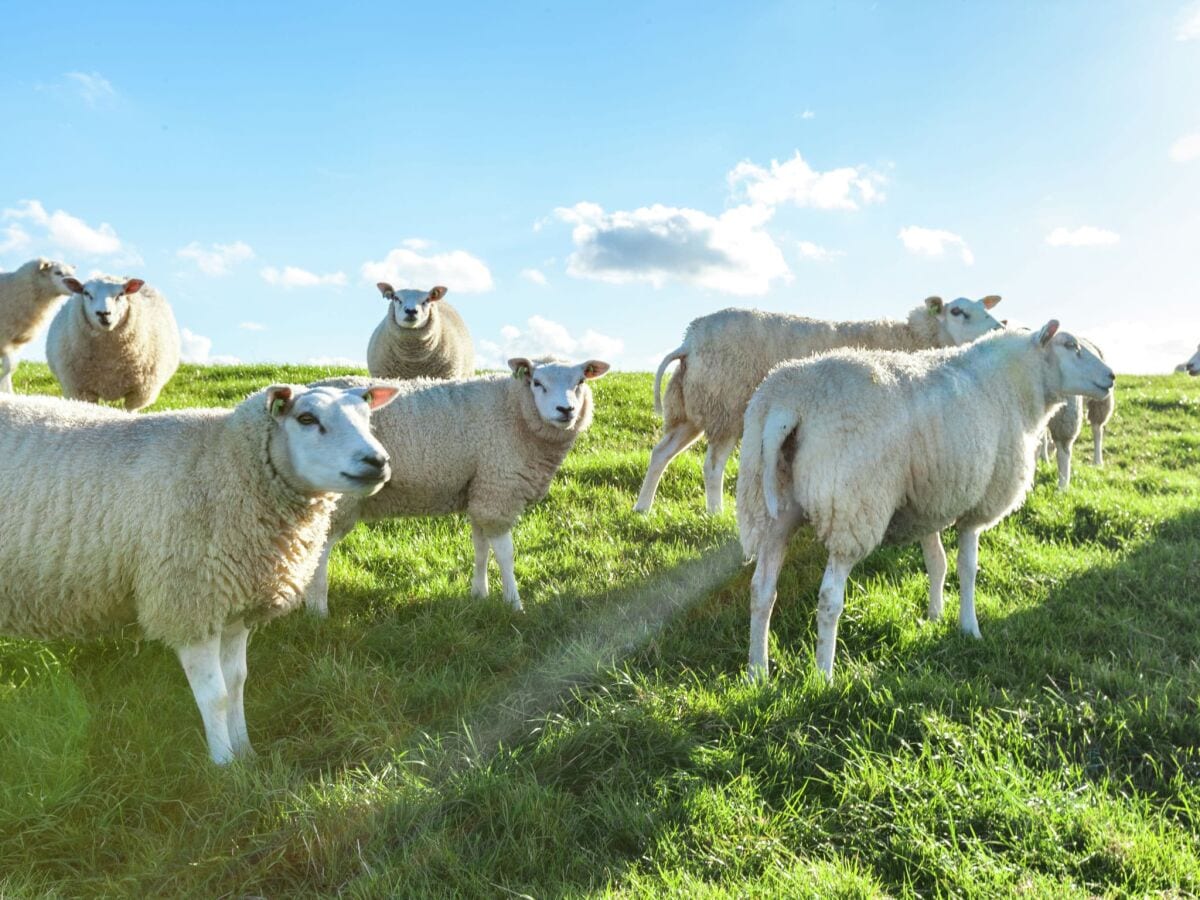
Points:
(27, 297)
(485, 446)
(1065, 425)
(194, 525)
(876, 447)
(724, 356)
(420, 337)
(1192, 366)
(115, 339)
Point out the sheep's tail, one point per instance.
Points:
(679, 352)
(760, 495)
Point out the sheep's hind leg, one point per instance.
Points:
(762, 598)
(715, 461)
(1063, 457)
(234, 638)
(1098, 445)
(935, 565)
(202, 665)
(831, 601)
(968, 565)
(674, 442)
(6, 369)
(502, 546)
(316, 596)
(479, 581)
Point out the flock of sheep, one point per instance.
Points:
(196, 525)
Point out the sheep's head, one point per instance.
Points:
(558, 389)
(411, 309)
(328, 436)
(1072, 365)
(963, 320)
(105, 301)
(1193, 365)
(56, 274)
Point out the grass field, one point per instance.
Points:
(420, 743)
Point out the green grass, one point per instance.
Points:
(420, 743)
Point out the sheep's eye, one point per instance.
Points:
(307, 419)
(537, 383)
(957, 312)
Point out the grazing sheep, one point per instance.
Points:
(1065, 425)
(874, 447)
(725, 356)
(194, 525)
(420, 337)
(27, 298)
(485, 446)
(115, 339)
(1192, 366)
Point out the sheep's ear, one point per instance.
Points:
(386, 289)
(594, 368)
(44, 265)
(1042, 338)
(934, 305)
(279, 400)
(378, 395)
(132, 286)
(74, 284)
(521, 368)
(437, 293)
(990, 300)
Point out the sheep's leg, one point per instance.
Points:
(316, 597)
(1043, 452)
(674, 442)
(202, 665)
(6, 369)
(935, 565)
(762, 599)
(715, 461)
(831, 600)
(1063, 455)
(479, 582)
(502, 546)
(233, 668)
(1098, 445)
(968, 565)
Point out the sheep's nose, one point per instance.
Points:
(565, 410)
(375, 460)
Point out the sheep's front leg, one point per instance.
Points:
(762, 600)
(1063, 456)
(7, 364)
(935, 565)
(968, 565)
(673, 443)
(831, 601)
(479, 581)
(1098, 445)
(234, 638)
(202, 665)
(715, 461)
(502, 546)
(316, 597)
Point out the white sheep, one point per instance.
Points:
(1192, 366)
(874, 447)
(420, 337)
(725, 356)
(194, 525)
(115, 339)
(485, 446)
(1066, 423)
(27, 297)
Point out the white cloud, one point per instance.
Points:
(93, 87)
(1145, 346)
(336, 362)
(64, 231)
(1189, 28)
(808, 114)
(15, 238)
(293, 277)
(656, 244)
(416, 243)
(934, 242)
(458, 270)
(796, 182)
(1086, 236)
(1186, 149)
(218, 259)
(544, 337)
(537, 276)
(817, 253)
(196, 348)
(252, 326)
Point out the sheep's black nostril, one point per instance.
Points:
(565, 410)
(375, 461)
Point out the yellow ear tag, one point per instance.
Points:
(521, 372)
(277, 406)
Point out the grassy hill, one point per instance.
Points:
(421, 743)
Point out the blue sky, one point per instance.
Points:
(586, 178)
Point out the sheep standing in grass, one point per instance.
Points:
(873, 447)
(115, 339)
(1065, 425)
(725, 356)
(194, 525)
(486, 446)
(27, 297)
(1192, 366)
(420, 337)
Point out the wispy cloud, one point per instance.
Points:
(657, 244)
(1086, 236)
(1187, 148)
(934, 242)
(295, 277)
(405, 267)
(1189, 26)
(196, 348)
(817, 253)
(14, 238)
(218, 258)
(545, 337)
(537, 276)
(61, 230)
(94, 88)
(808, 114)
(252, 326)
(798, 183)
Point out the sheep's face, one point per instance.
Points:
(411, 309)
(1074, 367)
(964, 320)
(328, 432)
(56, 274)
(558, 389)
(1193, 364)
(105, 303)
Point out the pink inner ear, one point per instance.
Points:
(133, 285)
(380, 396)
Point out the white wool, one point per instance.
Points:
(27, 298)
